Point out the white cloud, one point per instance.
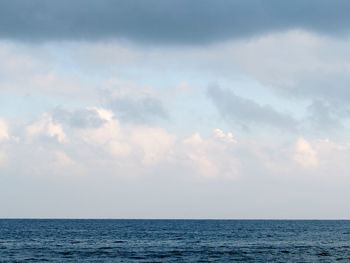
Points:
(155, 143)
(226, 137)
(5, 137)
(46, 127)
(297, 63)
(104, 114)
(17, 59)
(60, 163)
(41, 73)
(213, 156)
(305, 154)
(125, 149)
(130, 145)
(108, 136)
(62, 159)
(196, 152)
(150, 143)
(4, 131)
(194, 139)
(107, 132)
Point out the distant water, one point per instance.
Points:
(174, 241)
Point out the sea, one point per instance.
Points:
(61, 240)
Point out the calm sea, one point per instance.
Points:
(174, 241)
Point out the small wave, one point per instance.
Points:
(285, 251)
(324, 254)
(105, 248)
(118, 241)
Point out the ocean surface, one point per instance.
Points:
(174, 241)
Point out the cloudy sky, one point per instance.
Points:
(174, 109)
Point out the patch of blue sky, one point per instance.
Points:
(30, 106)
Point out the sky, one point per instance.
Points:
(175, 109)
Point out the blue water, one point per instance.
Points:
(174, 241)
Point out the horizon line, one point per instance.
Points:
(179, 219)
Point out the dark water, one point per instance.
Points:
(174, 241)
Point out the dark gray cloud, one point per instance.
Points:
(134, 105)
(244, 112)
(138, 110)
(324, 115)
(80, 118)
(180, 21)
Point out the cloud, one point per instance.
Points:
(166, 21)
(4, 131)
(155, 144)
(121, 149)
(146, 144)
(322, 157)
(134, 104)
(305, 155)
(108, 136)
(145, 109)
(309, 69)
(214, 156)
(5, 138)
(308, 65)
(3, 158)
(245, 112)
(324, 116)
(117, 148)
(80, 118)
(46, 128)
(225, 137)
(43, 74)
